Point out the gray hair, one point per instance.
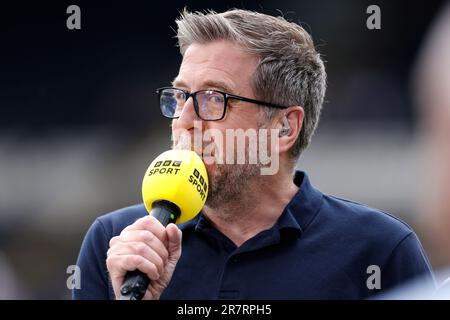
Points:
(290, 71)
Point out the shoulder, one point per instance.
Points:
(114, 222)
(332, 218)
(356, 220)
(368, 237)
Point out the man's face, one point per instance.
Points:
(222, 66)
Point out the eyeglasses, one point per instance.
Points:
(209, 105)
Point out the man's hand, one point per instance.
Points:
(149, 247)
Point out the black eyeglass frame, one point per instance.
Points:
(226, 96)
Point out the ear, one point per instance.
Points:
(294, 116)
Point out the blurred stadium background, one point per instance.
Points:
(79, 122)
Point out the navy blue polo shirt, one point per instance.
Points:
(321, 247)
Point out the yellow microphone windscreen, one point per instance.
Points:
(177, 176)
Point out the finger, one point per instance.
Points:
(139, 249)
(119, 265)
(151, 224)
(174, 236)
(148, 238)
(148, 295)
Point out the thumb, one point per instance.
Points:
(174, 235)
(174, 249)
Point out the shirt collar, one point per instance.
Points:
(305, 205)
(296, 216)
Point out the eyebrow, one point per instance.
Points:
(208, 83)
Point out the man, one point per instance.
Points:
(430, 83)
(258, 236)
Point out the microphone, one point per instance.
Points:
(174, 190)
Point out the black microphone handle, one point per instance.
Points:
(136, 282)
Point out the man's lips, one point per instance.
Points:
(187, 143)
(209, 159)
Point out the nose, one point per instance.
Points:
(187, 116)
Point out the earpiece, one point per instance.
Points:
(286, 130)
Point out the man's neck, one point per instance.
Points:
(258, 208)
